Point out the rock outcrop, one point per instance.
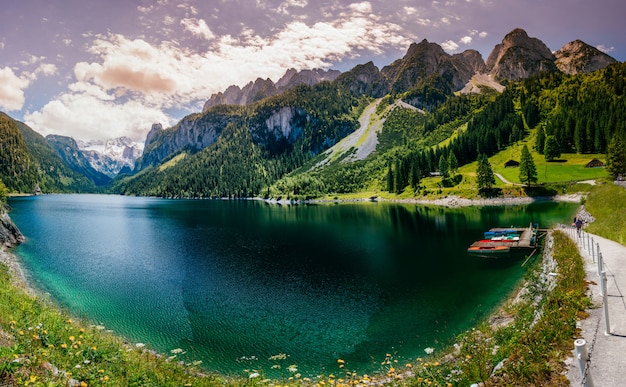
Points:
(519, 56)
(194, 132)
(365, 79)
(10, 235)
(578, 57)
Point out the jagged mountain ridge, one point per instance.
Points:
(263, 88)
(112, 155)
(518, 56)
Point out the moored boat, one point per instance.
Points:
(483, 250)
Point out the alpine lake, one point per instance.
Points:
(234, 283)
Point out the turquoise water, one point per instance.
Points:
(235, 282)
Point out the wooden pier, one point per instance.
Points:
(505, 239)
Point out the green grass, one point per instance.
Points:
(607, 203)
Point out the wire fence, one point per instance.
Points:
(586, 243)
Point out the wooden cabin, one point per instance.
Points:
(511, 164)
(595, 163)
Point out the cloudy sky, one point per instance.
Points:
(97, 69)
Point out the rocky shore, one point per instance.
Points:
(11, 236)
(448, 201)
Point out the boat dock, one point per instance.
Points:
(506, 239)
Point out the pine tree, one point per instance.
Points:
(443, 166)
(541, 139)
(527, 168)
(453, 164)
(552, 149)
(414, 176)
(390, 178)
(397, 178)
(616, 157)
(485, 178)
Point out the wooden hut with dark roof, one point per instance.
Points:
(511, 163)
(595, 163)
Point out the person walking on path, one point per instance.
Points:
(606, 349)
(579, 224)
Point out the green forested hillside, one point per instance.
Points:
(17, 169)
(581, 112)
(53, 174)
(27, 162)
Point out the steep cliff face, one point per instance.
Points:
(519, 56)
(194, 132)
(279, 123)
(9, 233)
(578, 57)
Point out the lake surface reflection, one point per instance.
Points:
(235, 282)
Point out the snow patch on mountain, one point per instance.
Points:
(110, 156)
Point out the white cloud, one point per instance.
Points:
(466, 40)
(450, 46)
(410, 10)
(605, 49)
(11, 90)
(424, 22)
(130, 83)
(283, 8)
(364, 7)
(47, 69)
(198, 27)
(83, 116)
(483, 34)
(169, 20)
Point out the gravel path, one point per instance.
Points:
(606, 348)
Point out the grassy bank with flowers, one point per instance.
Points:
(525, 344)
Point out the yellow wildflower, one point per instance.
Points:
(72, 338)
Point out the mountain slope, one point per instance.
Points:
(292, 128)
(578, 57)
(17, 169)
(54, 174)
(67, 149)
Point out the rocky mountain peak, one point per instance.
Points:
(519, 56)
(579, 57)
(424, 58)
(263, 88)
